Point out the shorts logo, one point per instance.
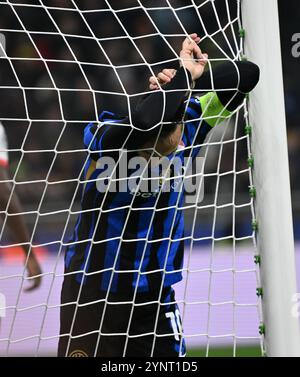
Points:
(78, 353)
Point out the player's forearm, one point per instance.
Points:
(14, 220)
(243, 76)
(158, 106)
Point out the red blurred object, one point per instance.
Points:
(16, 254)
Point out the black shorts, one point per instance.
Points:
(114, 328)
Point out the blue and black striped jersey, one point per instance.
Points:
(131, 239)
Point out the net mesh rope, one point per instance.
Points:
(51, 89)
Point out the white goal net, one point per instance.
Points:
(64, 62)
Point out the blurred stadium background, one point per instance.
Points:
(77, 102)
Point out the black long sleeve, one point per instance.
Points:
(154, 109)
(151, 110)
(230, 75)
(243, 76)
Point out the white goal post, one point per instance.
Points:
(271, 178)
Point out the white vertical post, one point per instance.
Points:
(271, 178)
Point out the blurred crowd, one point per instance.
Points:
(70, 59)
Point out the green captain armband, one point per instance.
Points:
(213, 111)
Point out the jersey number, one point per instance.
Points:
(175, 323)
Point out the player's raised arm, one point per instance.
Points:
(222, 89)
(159, 106)
(174, 84)
(231, 81)
(226, 87)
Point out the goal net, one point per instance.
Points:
(61, 64)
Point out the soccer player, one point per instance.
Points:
(126, 252)
(16, 222)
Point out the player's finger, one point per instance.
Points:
(153, 86)
(153, 83)
(153, 80)
(192, 38)
(197, 51)
(203, 60)
(168, 72)
(163, 78)
(195, 37)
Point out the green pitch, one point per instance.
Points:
(251, 351)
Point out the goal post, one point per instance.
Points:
(271, 178)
